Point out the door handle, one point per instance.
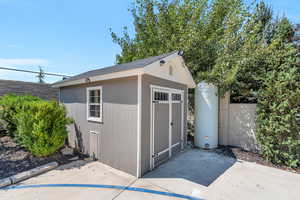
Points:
(171, 123)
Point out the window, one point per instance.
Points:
(176, 97)
(94, 104)
(161, 96)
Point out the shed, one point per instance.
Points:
(130, 116)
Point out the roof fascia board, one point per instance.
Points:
(75, 82)
(192, 83)
(114, 75)
(121, 74)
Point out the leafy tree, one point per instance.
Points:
(296, 38)
(194, 26)
(278, 129)
(242, 66)
(264, 67)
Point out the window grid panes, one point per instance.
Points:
(94, 101)
(161, 96)
(176, 97)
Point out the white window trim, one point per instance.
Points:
(93, 119)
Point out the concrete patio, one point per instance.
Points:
(195, 173)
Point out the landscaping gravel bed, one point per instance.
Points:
(240, 154)
(15, 159)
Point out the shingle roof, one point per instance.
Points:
(117, 68)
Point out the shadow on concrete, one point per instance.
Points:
(75, 164)
(199, 166)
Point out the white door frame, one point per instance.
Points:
(170, 91)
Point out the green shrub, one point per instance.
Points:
(41, 127)
(8, 105)
(278, 129)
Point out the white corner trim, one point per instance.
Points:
(94, 119)
(139, 124)
(151, 129)
(186, 109)
(170, 121)
(182, 117)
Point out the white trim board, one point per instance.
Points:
(180, 73)
(170, 91)
(94, 119)
(139, 125)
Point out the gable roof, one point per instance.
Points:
(118, 68)
(137, 64)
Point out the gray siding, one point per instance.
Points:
(44, 91)
(148, 80)
(117, 132)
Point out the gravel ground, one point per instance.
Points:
(251, 157)
(15, 159)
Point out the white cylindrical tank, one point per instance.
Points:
(206, 116)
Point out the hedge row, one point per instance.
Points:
(36, 124)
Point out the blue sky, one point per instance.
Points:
(71, 36)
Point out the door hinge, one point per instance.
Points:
(155, 155)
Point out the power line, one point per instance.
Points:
(35, 72)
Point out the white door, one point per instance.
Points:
(166, 124)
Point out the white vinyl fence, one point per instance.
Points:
(237, 124)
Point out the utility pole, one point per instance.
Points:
(40, 74)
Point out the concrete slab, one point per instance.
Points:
(226, 179)
(79, 172)
(125, 195)
(179, 185)
(245, 180)
(197, 166)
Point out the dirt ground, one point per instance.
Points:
(15, 159)
(240, 154)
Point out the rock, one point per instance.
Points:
(67, 151)
(74, 158)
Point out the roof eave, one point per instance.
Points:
(92, 79)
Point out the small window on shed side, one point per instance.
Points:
(94, 104)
